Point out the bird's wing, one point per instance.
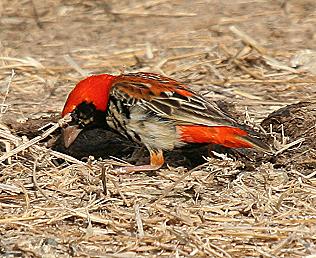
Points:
(169, 99)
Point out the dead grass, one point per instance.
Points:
(53, 205)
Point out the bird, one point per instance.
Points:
(153, 110)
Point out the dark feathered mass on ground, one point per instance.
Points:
(255, 58)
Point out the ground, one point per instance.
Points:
(239, 52)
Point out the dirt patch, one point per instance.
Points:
(295, 123)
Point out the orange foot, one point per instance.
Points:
(156, 162)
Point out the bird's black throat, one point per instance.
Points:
(87, 116)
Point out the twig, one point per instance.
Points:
(117, 187)
(145, 5)
(9, 136)
(144, 14)
(36, 139)
(64, 157)
(248, 40)
(75, 65)
(3, 106)
(139, 221)
(7, 146)
(289, 146)
(308, 176)
(26, 196)
(278, 65)
(239, 64)
(35, 181)
(243, 68)
(14, 220)
(103, 180)
(276, 251)
(11, 188)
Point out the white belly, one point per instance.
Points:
(154, 132)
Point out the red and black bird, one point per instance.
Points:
(153, 110)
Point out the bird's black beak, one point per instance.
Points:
(70, 134)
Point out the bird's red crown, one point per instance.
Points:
(94, 89)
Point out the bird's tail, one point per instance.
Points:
(231, 137)
(255, 143)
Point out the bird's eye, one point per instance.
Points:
(84, 114)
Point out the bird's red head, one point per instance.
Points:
(94, 89)
(87, 104)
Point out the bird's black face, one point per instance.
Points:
(84, 116)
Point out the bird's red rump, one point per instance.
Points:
(223, 135)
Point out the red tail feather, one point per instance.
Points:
(227, 136)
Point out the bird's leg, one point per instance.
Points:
(156, 158)
(156, 162)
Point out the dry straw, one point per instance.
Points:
(53, 205)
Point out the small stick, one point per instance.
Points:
(26, 196)
(239, 64)
(35, 140)
(248, 40)
(65, 157)
(289, 146)
(145, 5)
(3, 106)
(7, 146)
(117, 187)
(139, 221)
(35, 181)
(103, 179)
(11, 188)
(144, 14)
(75, 65)
(8, 136)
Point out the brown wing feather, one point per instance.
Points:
(170, 99)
